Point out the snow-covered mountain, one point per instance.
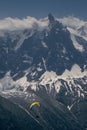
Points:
(46, 57)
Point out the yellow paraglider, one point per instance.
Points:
(34, 103)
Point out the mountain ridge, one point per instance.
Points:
(46, 56)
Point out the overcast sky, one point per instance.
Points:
(41, 8)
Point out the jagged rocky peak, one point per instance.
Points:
(53, 22)
(51, 18)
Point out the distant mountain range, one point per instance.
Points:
(45, 60)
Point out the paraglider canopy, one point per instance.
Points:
(34, 103)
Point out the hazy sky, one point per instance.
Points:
(41, 8)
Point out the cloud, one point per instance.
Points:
(12, 24)
(72, 22)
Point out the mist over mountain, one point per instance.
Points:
(44, 60)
